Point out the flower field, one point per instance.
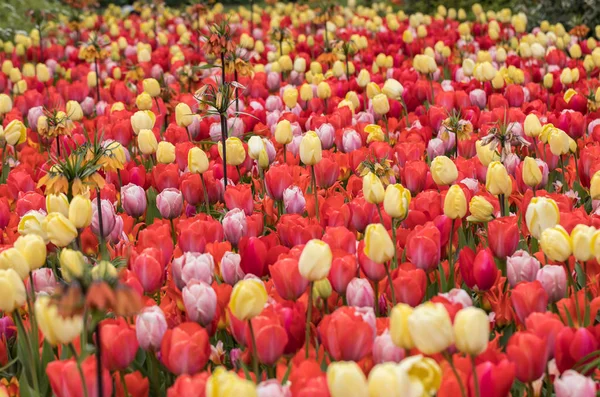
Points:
(298, 200)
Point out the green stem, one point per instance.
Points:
(392, 290)
(458, 379)
(122, 376)
(74, 353)
(475, 378)
(22, 332)
(308, 318)
(206, 202)
(379, 213)
(254, 352)
(314, 183)
(173, 233)
(395, 260)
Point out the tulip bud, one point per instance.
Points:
(142, 120)
(200, 302)
(236, 154)
(290, 97)
(381, 104)
(379, 246)
(315, 261)
(363, 78)
(150, 327)
(581, 237)
(497, 180)
(152, 87)
(183, 115)
(165, 152)
(430, 328)
(15, 133)
(170, 203)
(542, 213)
(345, 378)
(396, 201)
(556, 243)
(74, 111)
(234, 225)
(554, 281)
(306, 92)
(197, 161)
(143, 101)
(392, 89)
(532, 175)
(283, 132)
(230, 268)
(310, 148)
(521, 267)
(293, 200)
(373, 189)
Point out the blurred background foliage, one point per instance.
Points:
(14, 13)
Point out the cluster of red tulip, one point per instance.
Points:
(300, 201)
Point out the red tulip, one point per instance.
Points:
(495, 380)
(148, 269)
(239, 196)
(286, 277)
(348, 333)
(137, 385)
(529, 298)
(165, 176)
(528, 352)
(374, 271)
(189, 386)
(295, 230)
(573, 344)
(196, 232)
(503, 236)
(65, 379)
(185, 349)
(423, 247)
(277, 179)
(340, 237)
(270, 336)
(414, 175)
(254, 256)
(343, 269)
(293, 316)
(547, 326)
(191, 188)
(485, 271)
(409, 286)
(119, 343)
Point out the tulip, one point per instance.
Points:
(455, 203)
(532, 126)
(351, 141)
(379, 247)
(348, 333)
(529, 298)
(542, 213)
(44, 281)
(15, 133)
(430, 328)
(234, 225)
(486, 154)
(315, 261)
(200, 302)
(147, 142)
(133, 200)
(228, 384)
(388, 380)
(556, 243)
(119, 343)
(373, 189)
(532, 175)
(521, 267)
(150, 327)
(497, 181)
(67, 377)
(59, 229)
(423, 246)
(248, 299)
(471, 331)
(443, 171)
(33, 249)
(193, 266)
(423, 372)
(142, 120)
(72, 264)
(230, 268)
(528, 352)
(581, 238)
(392, 89)
(165, 152)
(346, 378)
(503, 236)
(57, 329)
(169, 203)
(396, 201)
(12, 291)
(384, 349)
(80, 211)
(105, 218)
(554, 281)
(572, 383)
(310, 148)
(12, 258)
(381, 105)
(481, 210)
(143, 101)
(359, 293)
(185, 349)
(57, 203)
(293, 200)
(186, 385)
(236, 154)
(270, 337)
(183, 115)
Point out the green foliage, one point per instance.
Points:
(14, 14)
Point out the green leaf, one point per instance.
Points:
(287, 373)
(442, 277)
(245, 369)
(152, 211)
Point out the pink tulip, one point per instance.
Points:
(108, 217)
(170, 203)
(359, 293)
(231, 269)
(351, 141)
(326, 134)
(294, 200)
(234, 225)
(573, 384)
(554, 281)
(384, 350)
(150, 327)
(133, 200)
(193, 266)
(200, 302)
(273, 388)
(521, 267)
(43, 281)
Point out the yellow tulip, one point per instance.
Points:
(236, 154)
(532, 175)
(152, 87)
(373, 189)
(33, 249)
(12, 258)
(542, 213)
(323, 90)
(143, 101)
(72, 264)
(430, 328)
(595, 186)
(346, 378)
(61, 232)
(396, 201)
(57, 203)
(147, 142)
(423, 373)
(379, 246)
(56, 328)
(248, 299)
(197, 161)
(443, 171)
(15, 133)
(315, 261)
(12, 291)
(556, 243)
(283, 132)
(142, 120)
(290, 97)
(481, 210)
(532, 126)
(497, 180)
(165, 152)
(388, 380)
(183, 115)
(455, 203)
(471, 330)
(310, 148)
(381, 105)
(228, 384)
(80, 211)
(581, 238)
